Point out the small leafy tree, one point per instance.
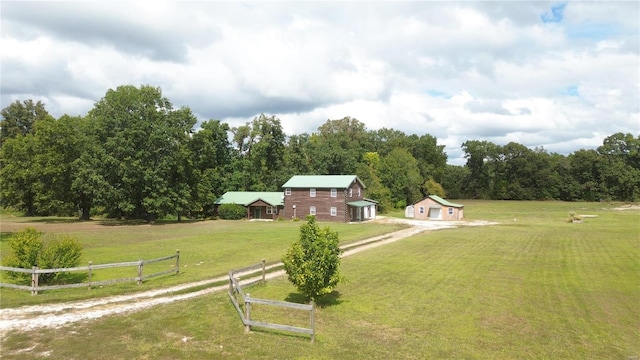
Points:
(232, 211)
(30, 250)
(26, 246)
(312, 262)
(432, 187)
(60, 252)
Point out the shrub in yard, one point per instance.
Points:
(25, 246)
(29, 250)
(232, 212)
(60, 252)
(312, 262)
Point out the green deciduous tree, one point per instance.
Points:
(144, 159)
(338, 146)
(481, 157)
(260, 150)
(312, 263)
(58, 143)
(19, 118)
(18, 174)
(453, 178)
(211, 154)
(368, 172)
(432, 187)
(400, 174)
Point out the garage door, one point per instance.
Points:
(434, 213)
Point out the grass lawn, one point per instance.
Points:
(207, 249)
(536, 288)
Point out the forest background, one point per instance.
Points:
(135, 156)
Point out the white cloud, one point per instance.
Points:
(459, 71)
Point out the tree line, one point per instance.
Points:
(134, 155)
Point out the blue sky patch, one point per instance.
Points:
(440, 94)
(593, 31)
(555, 15)
(571, 91)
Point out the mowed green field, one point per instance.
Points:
(207, 249)
(536, 288)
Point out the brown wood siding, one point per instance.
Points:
(263, 211)
(322, 201)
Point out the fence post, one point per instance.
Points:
(247, 313)
(140, 263)
(263, 270)
(34, 281)
(313, 321)
(177, 261)
(90, 263)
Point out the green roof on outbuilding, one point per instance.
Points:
(444, 202)
(246, 198)
(322, 181)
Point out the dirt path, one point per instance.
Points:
(56, 315)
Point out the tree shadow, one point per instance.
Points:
(330, 299)
(139, 222)
(56, 220)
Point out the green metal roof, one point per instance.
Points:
(247, 197)
(322, 181)
(361, 203)
(444, 202)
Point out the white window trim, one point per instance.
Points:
(334, 211)
(334, 193)
(450, 211)
(421, 209)
(312, 192)
(270, 210)
(287, 191)
(350, 192)
(312, 210)
(358, 191)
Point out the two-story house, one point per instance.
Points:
(328, 197)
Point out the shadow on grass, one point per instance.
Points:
(106, 221)
(134, 222)
(279, 333)
(331, 299)
(6, 236)
(54, 220)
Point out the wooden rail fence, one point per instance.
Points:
(35, 271)
(235, 287)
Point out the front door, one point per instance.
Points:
(257, 213)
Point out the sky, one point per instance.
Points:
(558, 75)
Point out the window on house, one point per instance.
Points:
(450, 211)
(421, 209)
(270, 210)
(334, 211)
(287, 191)
(334, 192)
(312, 192)
(358, 191)
(312, 210)
(350, 192)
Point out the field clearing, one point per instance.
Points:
(537, 287)
(207, 249)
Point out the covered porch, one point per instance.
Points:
(362, 210)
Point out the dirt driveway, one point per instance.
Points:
(56, 315)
